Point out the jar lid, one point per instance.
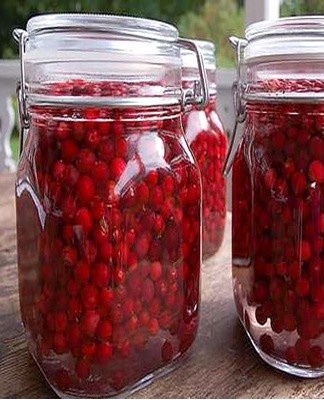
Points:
(189, 60)
(131, 26)
(291, 37)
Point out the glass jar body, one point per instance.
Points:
(277, 232)
(109, 247)
(208, 142)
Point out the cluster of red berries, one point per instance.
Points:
(110, 290)
(278, 229)
(208, 143)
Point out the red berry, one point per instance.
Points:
(85, 189)
(89, 322)
(62, 131)
(152, 178)
(59, 343)
(142, 245)
(100, 274)
(61, 321)
(82, 272)
(121, 147)
(117, 167)
(69, 150)
(104, 330)
(266, 343)
(86, 161)
(156, 271)
(316, 171)
(103, 352)
(100, 172)
(153, 326)
(302, 287)
(84, 220)
(69, 255)
(306, 252)
(92, 138)
(89, 297)
(291, 355)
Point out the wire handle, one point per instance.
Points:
(199, 94)
(238, 90)
(21, 37)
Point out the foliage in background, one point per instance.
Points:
(216, 21)
(15, 13)
(209, 19)
(301, 7)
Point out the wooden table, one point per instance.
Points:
(222, 363)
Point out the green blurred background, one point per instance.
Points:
(213, 20)
(203, 19)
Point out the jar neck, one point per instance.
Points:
(284, 80)
(83, 93)
(113, 56)
(130, 116)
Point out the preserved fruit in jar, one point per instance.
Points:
(108, 206)
(278, 202)
(207, 139)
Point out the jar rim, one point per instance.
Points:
(208, 50)
(306, 24)
(133, 26)
(299, 37)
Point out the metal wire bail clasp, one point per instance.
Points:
(238, 89)
(21, 37)
(199, 94)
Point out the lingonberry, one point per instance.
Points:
(152, 178)
(100, 172)
(62, 131)
(84, 220)
(89, 297)
(89, 322)
(92, 138)
(316, 171)
(60, 321)
(100, 274)
(85, 189)
(121, 147)
(69, 150)
(104, 330)
(117, 167)
(85, 161)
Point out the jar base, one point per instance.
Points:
(282, 366)
(141, 384)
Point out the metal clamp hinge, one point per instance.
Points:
(238, 90)
(21, 36)
(199, 93)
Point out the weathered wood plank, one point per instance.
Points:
(222, 363)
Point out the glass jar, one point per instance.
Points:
(278, 198)
(207, 139)
(108, 203)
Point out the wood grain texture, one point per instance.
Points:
(222, 363)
